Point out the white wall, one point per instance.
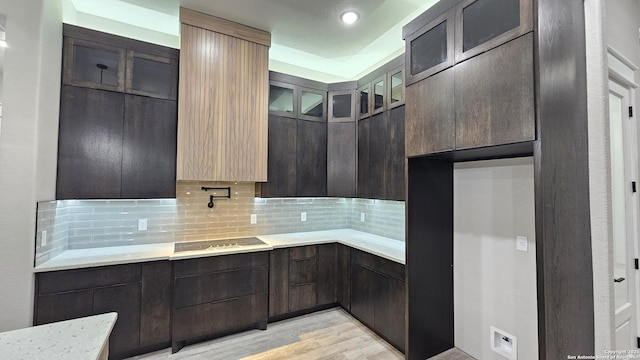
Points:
(494, 284)
(27, 151)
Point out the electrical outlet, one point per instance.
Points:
(362, 217)
(43, 239)
(142, 224)
(522, 244)
(303, 216)
(254, 219)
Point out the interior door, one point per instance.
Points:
(622, 200)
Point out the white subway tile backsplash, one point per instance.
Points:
(76, 224)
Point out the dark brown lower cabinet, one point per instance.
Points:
(301, 279)
(219, 295)
(378, 295)
(139, 293)
(343, 278)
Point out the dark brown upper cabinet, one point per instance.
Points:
(108, 66)
(430, 49)
(118, 118)
(364, 101)
(443, 37)
(151, 75)
(342, 106)
(482, 25)
(494, 96)
(378, 92)
(395, 88)
(94, 65)
(341, 144)
(297, 141)
(312, 105)
(282, 99)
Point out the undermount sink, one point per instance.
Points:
(216, 244)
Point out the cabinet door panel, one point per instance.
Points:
(311, 162)
(363, 292)
(94, 65)
(89, 144)
(65, 306)
(344, 276)
(494, 96)
(149, 148)
(281, 180)
(379, 140)
(155, 317)
(389, 309)
(279, 282)
(341, 159)
(364, 158)
(394, 185)
(151, 75)
(482, 25)
(125, 300)
(327, 274)
(302, 297)
(430, 115)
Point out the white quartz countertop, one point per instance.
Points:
(76, 339)
(72, 259)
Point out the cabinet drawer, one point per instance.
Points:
(302, 252)
(303, 271)
(59, 307)
(376, 263)
(219, 263)
(68, 280)
(194, 290)
(219, 318)
(302, 297)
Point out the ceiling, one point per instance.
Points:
(308, 39)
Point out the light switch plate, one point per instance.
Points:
(522, 243)
(142, 224)
(43, 239)
(303, 216)
(254, 219)
(362, 217)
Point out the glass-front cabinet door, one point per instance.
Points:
(395, 87)
(151, 75)
(93, 65)
(341, 106)
(282, 99)
(363, 102)
(312, 104)
(484, 24)
(378, 87)
(430, 49)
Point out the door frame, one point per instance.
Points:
(622, 74)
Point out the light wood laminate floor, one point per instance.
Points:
(330, 334)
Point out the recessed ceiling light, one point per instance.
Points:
(3, 44)
(349, 17)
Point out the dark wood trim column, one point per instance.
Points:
(563, 227)
(429, 244)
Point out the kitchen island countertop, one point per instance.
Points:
(78, 339)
